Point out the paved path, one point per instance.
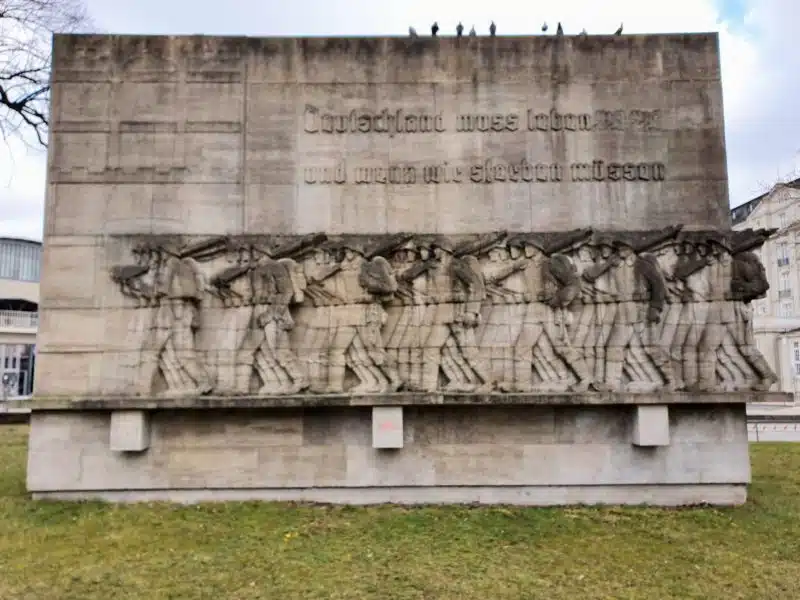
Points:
(773, 422)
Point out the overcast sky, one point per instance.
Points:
(760, 63)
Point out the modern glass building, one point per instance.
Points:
(20, 261)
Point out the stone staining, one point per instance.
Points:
(572, 311)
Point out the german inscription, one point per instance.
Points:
(489, 171)
(317, 121)
(395, 122)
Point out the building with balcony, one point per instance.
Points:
(776, 320)
(19, 314)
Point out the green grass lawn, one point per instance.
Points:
(51, 551)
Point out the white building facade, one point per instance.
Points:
(776, 321)
(19, 315)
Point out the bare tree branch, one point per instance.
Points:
(26, 27)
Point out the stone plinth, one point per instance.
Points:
(392, 269)
(521, 452)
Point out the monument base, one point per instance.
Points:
(653, 449)
(652, 495)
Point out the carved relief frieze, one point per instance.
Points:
(502, 312)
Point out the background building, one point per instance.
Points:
(19, 314)
(777, 317)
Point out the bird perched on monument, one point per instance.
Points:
(459, 29)
(619, 31)
(412, 32)
(544, 27)
(434, 28)
(559, 29)
(492, 28)
(472, 32)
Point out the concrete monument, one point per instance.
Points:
(393, 270)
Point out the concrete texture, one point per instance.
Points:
(444, 446)
(213, 402)
(130, 431)
(662, 495)
(203, 136)
(219, 136)
(387, 427)
(651, 426)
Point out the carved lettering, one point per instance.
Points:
(484, 122)
(336, 174)
(488, 171)
(599, 170)
(400, 121)
(365, 121)
(393, 174)
(645, 120)
(555, 121)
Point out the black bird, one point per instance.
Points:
(459, 29)
(619, 31)
(544, 27)
(492, 28)
(559, 29)
(472, 32)
(434, 28)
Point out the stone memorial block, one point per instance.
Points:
(508, 259)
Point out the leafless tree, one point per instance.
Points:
(26, 27)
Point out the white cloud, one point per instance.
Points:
(758, 61)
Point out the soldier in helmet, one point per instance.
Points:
(138, 281)
(356, 322)
(404, 342)
(603, 284)
(276, 285)
(551, 286)
(505, 288)
(749, 282)
(180, 288)
(455, 289)
(695, 270)
(319, 268)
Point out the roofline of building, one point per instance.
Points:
(794, 183)
(7, 238)
(754, 202)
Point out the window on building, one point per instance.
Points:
(19, 260)
(796, 358)
(783, 218)
(16, 369)
(784, 281)
(783, 254)
(786, 309)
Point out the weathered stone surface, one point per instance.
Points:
(551, 495)
(482, 446)
(130, 431)
(387, 427)
(651, 426)
(540, 312)
(106, 403)
(373, 136)
(517, 243)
